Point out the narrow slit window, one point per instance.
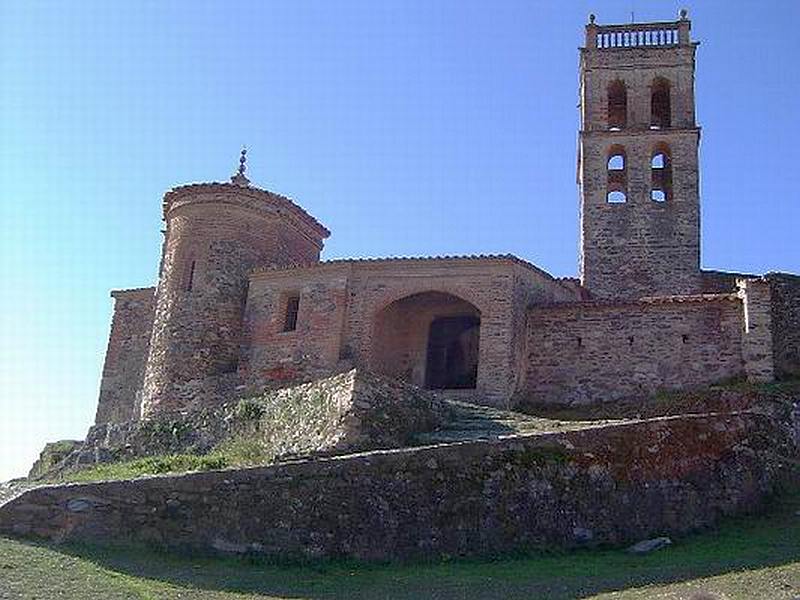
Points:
(190, 276)
(290, 317)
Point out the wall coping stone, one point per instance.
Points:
(646, 300)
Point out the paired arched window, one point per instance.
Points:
(617, 175)
(660, 105)
(617, 105)
(661, 174)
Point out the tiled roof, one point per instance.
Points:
(286, 202)
(408, 259)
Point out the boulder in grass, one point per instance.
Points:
(651, 545)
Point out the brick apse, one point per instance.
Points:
(244, 302)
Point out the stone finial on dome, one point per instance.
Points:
(239, 177)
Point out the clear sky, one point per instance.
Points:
(407, 127)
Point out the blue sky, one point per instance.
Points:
(408, 128)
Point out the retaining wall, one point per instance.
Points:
(612, 485)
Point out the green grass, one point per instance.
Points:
(746, 558)
(233, 453)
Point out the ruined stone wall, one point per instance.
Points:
(126, 356)
(609, 485)
(340, 303)
(599, 352)
(785, 297)
(216, 234)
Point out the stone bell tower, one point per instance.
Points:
(216, 233)
(638, 160)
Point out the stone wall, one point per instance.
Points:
(216, 234)
(610, 485)
(785, 297)
(126, 356)
(347, 412)
(343, 305)
(593, 352)
(639, 247)
(757, 345)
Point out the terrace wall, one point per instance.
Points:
(610, 485)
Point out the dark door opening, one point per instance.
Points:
(452, 361)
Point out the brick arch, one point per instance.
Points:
(398, 339)
(393, 295)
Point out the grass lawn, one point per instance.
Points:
(746, 558)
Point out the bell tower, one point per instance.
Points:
(638, 160)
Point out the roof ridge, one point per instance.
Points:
(386, 259)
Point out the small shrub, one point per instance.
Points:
(249, 409)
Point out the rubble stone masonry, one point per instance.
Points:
(607, 485)
(785, 302)
(594, 352)
(216, 234)
(638, 247)
(126, 356)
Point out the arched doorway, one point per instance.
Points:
(430, 339)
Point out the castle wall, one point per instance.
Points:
(340, 304)
(785, 298)
(607, 485)
(126, 356)
(599, 352)
(757, 343)
(216, 234)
